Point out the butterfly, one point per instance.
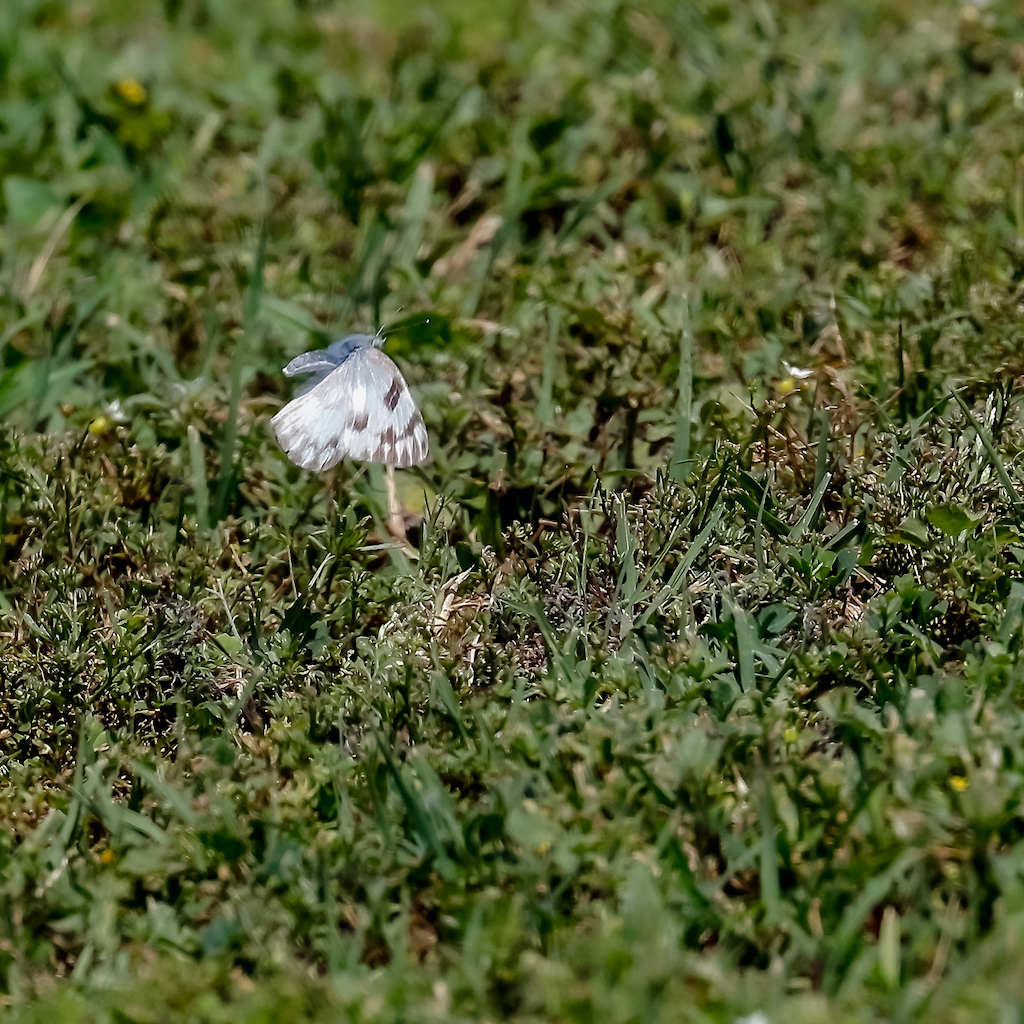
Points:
(357, 404)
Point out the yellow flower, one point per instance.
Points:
(959, 782)
(107, 856)
(132, 91)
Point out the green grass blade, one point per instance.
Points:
(414, 216)
(758, 539)
(546, 403)
(684, 406)
(824, 437)
(993, 456)
(769, 854)
(853, 918)
(248, 341)
(200, 489)
(679, 575)
(804, 523)
(746, 638)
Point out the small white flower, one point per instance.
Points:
(797, 372)
(115, 412)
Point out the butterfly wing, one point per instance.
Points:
(322, 361)
(361, 410)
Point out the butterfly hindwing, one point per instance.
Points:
(361, 410)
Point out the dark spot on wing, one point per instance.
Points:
(359, 423)
(394, 393)
(411, 427)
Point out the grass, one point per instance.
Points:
(697, 692)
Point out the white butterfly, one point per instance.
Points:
(356, 405)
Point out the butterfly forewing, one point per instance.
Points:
(361, 410)
(319, 362)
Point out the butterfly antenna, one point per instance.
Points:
(378, 338)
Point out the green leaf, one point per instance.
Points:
(229, 643)
(911, 531)
(27, 199)
(284, 312)
(950, 519)
(419, 335)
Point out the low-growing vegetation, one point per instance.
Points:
(693, 691)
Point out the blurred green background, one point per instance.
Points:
(695, 690)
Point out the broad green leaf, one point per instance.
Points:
(950, 519)
(27, 199)
(911, 531)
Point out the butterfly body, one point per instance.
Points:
(356, 405)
